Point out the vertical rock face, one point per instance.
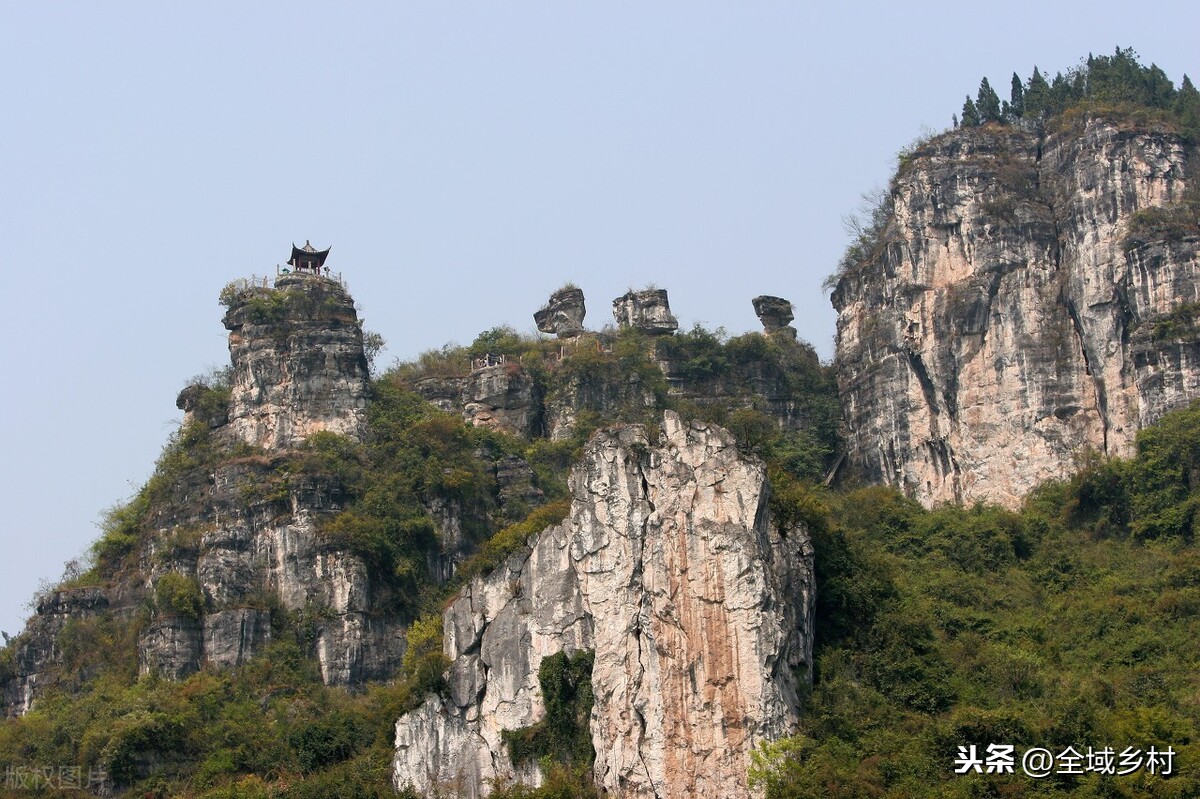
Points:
(33, 657)
(298, 362)
(698, 609)
(646, 310)
(501, 397)
(1006, 320)
(240, 548)
(563, 314)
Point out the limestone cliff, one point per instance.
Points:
(225, 542)
(1005, 316)
(298, 362)
(696, 605)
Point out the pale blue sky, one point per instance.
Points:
(462, 159)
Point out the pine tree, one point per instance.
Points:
(1187, 108)
(1160, 92)
(1016, 97)
(1037, 95)
(970, 115)
(987, 102)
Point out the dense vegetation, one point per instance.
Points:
(271, 728)
(1118, 84)
(1070, 623)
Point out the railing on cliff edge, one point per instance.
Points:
(266, 282)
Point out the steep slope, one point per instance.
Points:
(223, 543)
(1009, 314)
(696, 607)
(305, 521)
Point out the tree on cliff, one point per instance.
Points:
(1116, 83)
(970, 114)
(1016, 98)
(1037, 95)
(987, 102)
(1187, 108)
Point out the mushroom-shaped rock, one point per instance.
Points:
(775, 313)
(646, 310)
(563, 314)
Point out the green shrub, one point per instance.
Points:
(563, 735)
(179, 594)
(322, 742)
(512, 539)
(425, 662)
(1178, 325)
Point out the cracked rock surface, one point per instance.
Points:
(1006, 321)
(697, 606)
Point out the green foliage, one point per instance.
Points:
(266, 306)
(179, 594)
(425, 662)
(415, 455)
(512, 539)
(1163, 482)
(561, 782)
(373, 343)
(987, 102)
(269, 728)
(1165, 223)
(212, 401)
(1113, 86)
(970, 114)
(120, 529)
(101, 644)
(184, 466)
(324, 741)
(1070, 622)
(700, 353)
(620, 378)
(563, 735)
(1016, 99)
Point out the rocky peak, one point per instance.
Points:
(646, 310)
(696, 605)
(298, 361)
(563, 314)
(775, 313)
(198, 565)
(1010, 313)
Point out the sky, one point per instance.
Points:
(462, 160)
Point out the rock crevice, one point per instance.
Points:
(696, 605)
(1026, 335)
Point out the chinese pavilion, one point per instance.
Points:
(308, 259)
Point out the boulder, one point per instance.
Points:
(646, 310)
(563, 314)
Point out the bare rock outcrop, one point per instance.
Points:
(502, 397)
(1008, 318)
(298, 361)
(563, 314)
(646, 310)
(775, 313)
(696, 605)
